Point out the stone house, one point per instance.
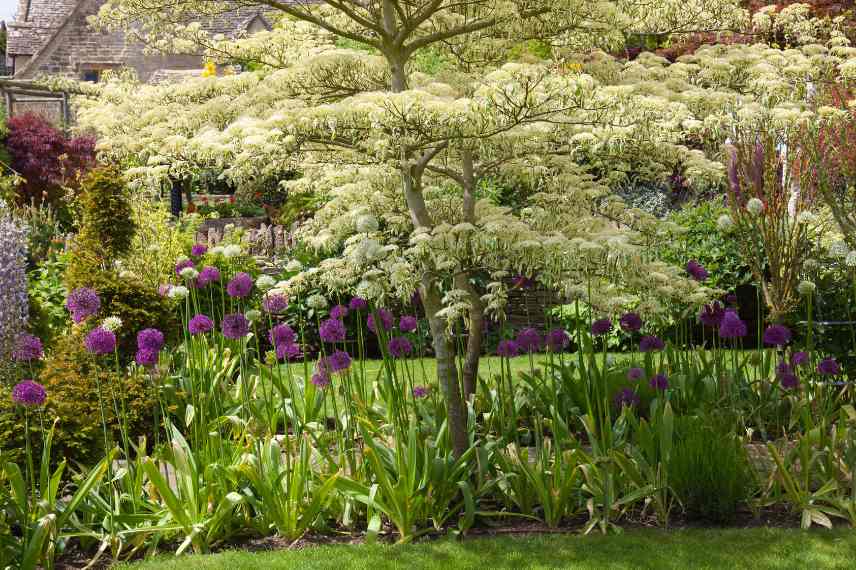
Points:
(52, 37)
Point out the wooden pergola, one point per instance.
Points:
(22, 97)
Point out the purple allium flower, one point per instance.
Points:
(147, 357)
(799, 358)
(696, 270)
(732, 326)
(789, 381)
(659, 382)
(783, 368)
(29, 393)
(635, 374)
(711, 314)
(287, 351)
(626, 397)
(200, 324)
(358, 304)
(28, 348)
(558, 340)
(400, 346)
(14, 303)
(150, 339)
(321, 380)
(332, 330)
(240, 286)
(529, 340)
(651, 343)
(386, 320)
(235, 326)
(601, 327)
(508, 348)
(630, 322)
(339, 361)
(282, 335)
(420, 392)
(777, 335)
(207, 276)
(828, 367)
(274, 303)
(100, 341)
(408, 324)
(183, 264)
(339, 312)
(164, 289)
(523, 282)
(731, 299)
(198, 250)
(82, 303)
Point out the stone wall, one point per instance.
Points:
(80, 49)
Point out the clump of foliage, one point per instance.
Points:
(71, 377)
(702, 240)
(46, 158)
(708, 469)
(105, 212)
(107, 229)
(47, 292)
(159, 240)
(231, 208)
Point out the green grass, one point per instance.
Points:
(424, 370)
(729, 549)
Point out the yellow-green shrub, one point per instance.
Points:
(71, 377)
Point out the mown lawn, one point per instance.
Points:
(424, 370)
(731, 549)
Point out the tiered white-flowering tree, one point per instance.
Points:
(345, 93)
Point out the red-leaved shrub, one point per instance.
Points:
(45, 156)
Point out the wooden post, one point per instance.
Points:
(66, 110)
(175, 198)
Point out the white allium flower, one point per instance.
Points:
(369, 290)
(178, 292)
(265, 283)
(294, 265)
(755, 206)
(189, 273)
(316, 302)
(850, 261)
(231, 251)
(839, 249)
(806, 288)
(811, 265)
(368, 251)
(253, 315)
(724, 223)
(217, 250)
(805, 218)
(112, 324)
(367, 224)
(228, 228)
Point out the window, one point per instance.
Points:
(91, 75)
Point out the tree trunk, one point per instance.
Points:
(411, 178)
(447, 371)
(474, 345)
(476, 332)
